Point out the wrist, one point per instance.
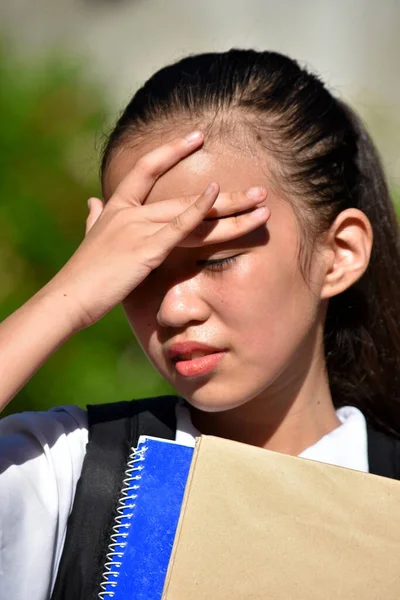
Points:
(59, 310)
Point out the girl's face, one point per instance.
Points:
(253, 305)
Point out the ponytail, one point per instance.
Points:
(362, 332)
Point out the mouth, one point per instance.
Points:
(190, 356)
(191, 359)
(202, 365)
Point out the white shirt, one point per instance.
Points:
(41, 456)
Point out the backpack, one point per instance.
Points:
(113, 430)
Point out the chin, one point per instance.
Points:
(219, 392)
(212, 399)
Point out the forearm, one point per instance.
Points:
(29, 337)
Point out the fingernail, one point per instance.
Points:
(89, 203)
(256, 192)
(261, 211)
(210, 189)
(194, 136)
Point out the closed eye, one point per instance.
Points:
(217, 264)
(212, 264)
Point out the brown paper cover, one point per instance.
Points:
(257, 524)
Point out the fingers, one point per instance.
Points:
(225, 205)
(237, 202)
(175, 231)
(223, 230)
(222, 227)
(96, 207)
(138, 183)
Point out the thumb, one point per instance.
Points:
(96, 207)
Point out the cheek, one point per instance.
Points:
(141, 311)
(266, 301)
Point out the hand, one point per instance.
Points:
(125, 239)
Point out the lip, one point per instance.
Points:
(196, 366)
(180, 348)
(199, 366)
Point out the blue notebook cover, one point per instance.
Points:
(148, 513)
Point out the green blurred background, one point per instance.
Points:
(51, 120)
(65, 74)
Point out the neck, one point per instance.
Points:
(286, 419)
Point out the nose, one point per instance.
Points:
(182, 304)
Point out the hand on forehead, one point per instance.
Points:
(233, 169)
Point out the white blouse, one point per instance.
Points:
(41, 456)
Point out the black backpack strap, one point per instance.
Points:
(383, 453)
(113, 430)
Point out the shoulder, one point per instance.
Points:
(41, 456)
(36, 438)
(43, 451)
(57, 419)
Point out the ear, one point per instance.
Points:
(348, 250)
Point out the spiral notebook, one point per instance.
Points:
(148, 514)
(233, 521)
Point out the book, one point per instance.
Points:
(232, 521)
(145, 526)
(260, 524)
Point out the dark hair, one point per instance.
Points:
(325, 159)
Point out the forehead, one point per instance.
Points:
(233, 168)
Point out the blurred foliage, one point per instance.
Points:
(396, 199)
(50, 117)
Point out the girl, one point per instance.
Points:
(273, 312)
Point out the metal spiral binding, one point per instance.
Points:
(122, 522)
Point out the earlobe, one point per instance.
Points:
(348, 251)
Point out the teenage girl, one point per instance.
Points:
(270, 301)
